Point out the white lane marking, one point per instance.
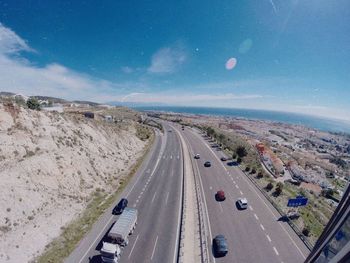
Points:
(154, 249)
(262, 227)
(178, 157)
(210, 188)
(257, 218)
(233, 181)
(154, 196)
(241, 192)
(252, 187)
(237, 186)
(137, 201)
(251, 208)
(133, 246)
(268, 238)
(166, 199)
(171, 157)
(275, 251)
(222, 210)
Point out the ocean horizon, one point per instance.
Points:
(315, 122)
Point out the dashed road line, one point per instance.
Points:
(275, 251)
(257, 218)
(153, 197)
(237, 186)
(154, 249)
(262, 227)
(133, 246)
(251, 208)
(268, 238)
(241, 192)
(166, 199)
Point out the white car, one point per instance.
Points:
(197, 156)
(242, 203)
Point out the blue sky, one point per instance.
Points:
(291, 55)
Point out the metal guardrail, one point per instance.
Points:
(183, 216)
(201, 218)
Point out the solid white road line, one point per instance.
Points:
(154, 249)
(262, 227)
(257, 218)
(275, 251)
(268, 238)
(133, 246)
(154, 196)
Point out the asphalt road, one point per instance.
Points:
(254, 234)
(156, 192)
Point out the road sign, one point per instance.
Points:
(299, 201)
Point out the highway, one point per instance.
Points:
(254, 234)
(156, 192)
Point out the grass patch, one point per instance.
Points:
(62, 246)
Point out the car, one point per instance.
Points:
(197, 156)
(220, 246)
(220, 195)
(207, 164)
(224, 159)
(242, 203)
(119, 208)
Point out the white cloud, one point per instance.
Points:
(167, 60)
(21, 76)
(10, 42)
(187, 98)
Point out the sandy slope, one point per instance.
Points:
(50, 164)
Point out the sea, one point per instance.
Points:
(319, 123)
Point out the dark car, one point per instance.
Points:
(123, 203)
(207, 164)
(220, 246)
(224, 159)
(220, 195)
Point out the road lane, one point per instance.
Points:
(243, 230)
(158, 179)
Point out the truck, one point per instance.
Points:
(117, 237)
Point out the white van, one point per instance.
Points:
(242, 203)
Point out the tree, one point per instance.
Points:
(247, 169)
(241, 151)
(306, 231)
(279, 189)
(253, 171)
(269, 186)
(239, 160)
(260, 175)
(234, 156)
(33, 104)
(221, 138)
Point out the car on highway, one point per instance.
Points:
(220, 195)
(242, 203)
(224, 159)
(207, 164)
(119, 208)
(197, 156)
(220, 246)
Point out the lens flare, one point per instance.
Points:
(231, 63)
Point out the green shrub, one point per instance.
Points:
(33, 104)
